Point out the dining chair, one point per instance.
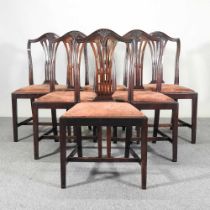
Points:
(33, 91)
(175, 90)
(61, 99)
(140, 97)
(103, 111)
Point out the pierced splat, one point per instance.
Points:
(103, 52)
(164, 38)
(103, 43)
(135, 54)
(73, 52)
(46, 41)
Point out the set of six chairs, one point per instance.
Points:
(105, 101)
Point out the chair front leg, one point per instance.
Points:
(115, 134)
(128, 141)
(36, 131)
(63, 154)
(54, 123)
(174, 133)
(14, 118)
(79, 140)
(156, 123)
(194, 118)
(144, 132)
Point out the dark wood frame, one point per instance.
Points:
(193, 96)
(136, 69)
(78, 122)
(104, 93)
(72, 75)
(45, 40)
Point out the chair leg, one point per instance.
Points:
(115, 134)
(174, 133)
(79, 140)
(128, 141)
(99, 137)
(14, 118)
(144, 131)
(172, 116)
(63, 155)
(156, 123)
(54, 123)
(69, 131)
(108, 136)
(32, 100)
(194, 118)
(36, 131)
(94, 134)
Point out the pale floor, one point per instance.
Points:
(29, 184)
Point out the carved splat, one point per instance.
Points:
(46, 42)
(164, 39)
(135, 55)
(73, 52)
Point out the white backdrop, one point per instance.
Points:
(24, 19)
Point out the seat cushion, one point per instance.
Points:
(66, 97)
(169, 88)
(90, 87)
(39, 89)
(121, 87)
(103, 110)
(87, 88)
(142, 96)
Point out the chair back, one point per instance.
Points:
(165, 39)
(46, 41)
(103, 43)
(74, 54)
(134, 59)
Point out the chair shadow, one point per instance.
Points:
(25, 137)
(56, 151)
(108, 176)
(117, 175)
(150, 149)
(50, 154)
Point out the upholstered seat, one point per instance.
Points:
(169, 88)
(38, 89)
(90, 87)
(66, 97)
(142, 96)
(103, 110)
(87, 88)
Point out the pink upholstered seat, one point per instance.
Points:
(66, 96)
(103, 110)
(90, 87)
(142, 96)
(38, 89)
(169, 88)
